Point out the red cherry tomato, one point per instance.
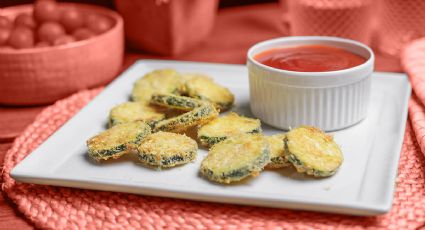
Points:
(4, 35)
(98, 23)
(82, 34)
(5, 22)
(63, 40)
(42, 44)
(21, 37)
(50, 31)
(72, 19)
(46, 10)
(25, 20)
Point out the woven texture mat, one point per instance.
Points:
(60, 208)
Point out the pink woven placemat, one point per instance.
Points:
(60, 208)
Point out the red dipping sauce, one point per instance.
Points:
(309, 58)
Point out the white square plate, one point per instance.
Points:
(364, 185)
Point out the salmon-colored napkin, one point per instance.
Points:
(413, 61)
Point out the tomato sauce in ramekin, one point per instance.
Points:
(309, 58)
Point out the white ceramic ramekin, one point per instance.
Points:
(329, 100)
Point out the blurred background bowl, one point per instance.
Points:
(43, 75)
(167, 27)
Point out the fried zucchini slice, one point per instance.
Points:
(204, 88)
(117, 140)
(187, 76)
(170, 113)
(236, 158)
(176, 102)
(277, 152)
(157, 81)
(134, 111)
(198, 116)
(221, 128)
(165, 150)
(312, 151)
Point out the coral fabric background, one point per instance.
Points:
(227, 45)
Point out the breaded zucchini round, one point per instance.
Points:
(134, 111)
(187, 76)
(277, 152)
(166, 150)
(157, 81)
(176, 102)
(198, 116)
(117, 140)
(236, 158)
(312, 151)
(204, 88)
(225, 126)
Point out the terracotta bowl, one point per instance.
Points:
(43, 75)
(167, 27)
